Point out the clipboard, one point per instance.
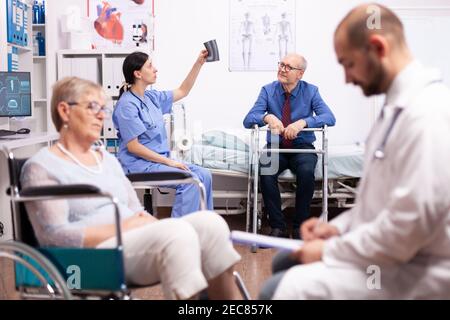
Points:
(247, 238)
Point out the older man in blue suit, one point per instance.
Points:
(288, 106)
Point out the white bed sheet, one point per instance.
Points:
(343, 161)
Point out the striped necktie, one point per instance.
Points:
(286, 120)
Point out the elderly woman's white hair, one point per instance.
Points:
(70, 89)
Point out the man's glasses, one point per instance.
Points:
(94, 108)
(287, 67)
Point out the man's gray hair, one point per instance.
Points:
(304, 63)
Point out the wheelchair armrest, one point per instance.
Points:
(66, 190)
(158, 176)
(56, 192)
(157, 179)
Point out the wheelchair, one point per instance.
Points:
(55, 272)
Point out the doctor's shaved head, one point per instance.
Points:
(369, 19)
(370, 44)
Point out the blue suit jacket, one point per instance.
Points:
(306, 104)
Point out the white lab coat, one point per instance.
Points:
(401, 219)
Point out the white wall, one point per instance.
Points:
(221, 98)
(56, 40)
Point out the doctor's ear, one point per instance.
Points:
(379, 45)
(63, 111)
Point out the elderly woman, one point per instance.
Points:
(186, 255)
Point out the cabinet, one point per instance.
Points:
(22, 148)
(18, 55)
(39, 79)
(104, 67)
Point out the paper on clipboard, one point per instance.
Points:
(265, 241)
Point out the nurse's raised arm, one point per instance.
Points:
(188, 83)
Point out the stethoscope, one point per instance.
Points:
(379, 153)
(153, 123)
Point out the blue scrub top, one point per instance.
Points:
(142, 118)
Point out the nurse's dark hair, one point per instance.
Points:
(133, 62)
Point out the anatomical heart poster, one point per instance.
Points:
(122, 24)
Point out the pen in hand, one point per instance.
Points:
(318, 228)
(320, 221)
(324, 230)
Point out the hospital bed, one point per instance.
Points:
(231, 164)
(227, 159)
(230, 155)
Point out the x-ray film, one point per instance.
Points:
(213, 51)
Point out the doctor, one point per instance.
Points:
(138, 118)
(395, 242)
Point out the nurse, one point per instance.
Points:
(138, 119)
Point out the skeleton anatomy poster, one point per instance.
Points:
(261, 33)
(124, 24)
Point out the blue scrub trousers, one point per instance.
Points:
(187, 196)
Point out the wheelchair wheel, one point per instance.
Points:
(23, 254)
